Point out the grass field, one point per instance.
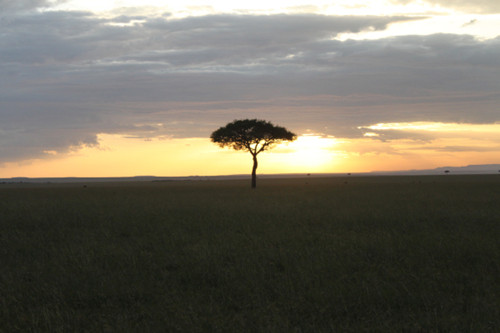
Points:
(353, 254)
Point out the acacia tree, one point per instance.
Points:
(253, 135)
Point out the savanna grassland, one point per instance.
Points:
(352, 254)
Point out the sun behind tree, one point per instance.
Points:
(253, 135)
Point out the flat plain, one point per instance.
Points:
(338, 254)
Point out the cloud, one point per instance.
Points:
(79, 36)
(475, 148)
(477, 6)
(66, 77)
(471, 22)
(436, 137)
(7, 6)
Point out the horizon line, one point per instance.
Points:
(463, 170)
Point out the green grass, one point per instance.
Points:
(354, 254)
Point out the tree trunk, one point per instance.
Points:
(254, 169)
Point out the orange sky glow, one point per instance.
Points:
(118, 156)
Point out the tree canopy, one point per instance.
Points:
(253, 135)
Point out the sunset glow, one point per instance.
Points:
(119, 156)
(309, 153)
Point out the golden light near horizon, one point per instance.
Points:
(311, 151)
(120, 156)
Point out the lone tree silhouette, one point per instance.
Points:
(253, 135)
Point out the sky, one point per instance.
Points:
(124, 88)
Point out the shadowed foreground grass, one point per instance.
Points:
(375, 254)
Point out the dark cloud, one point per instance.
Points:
(67, 76)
